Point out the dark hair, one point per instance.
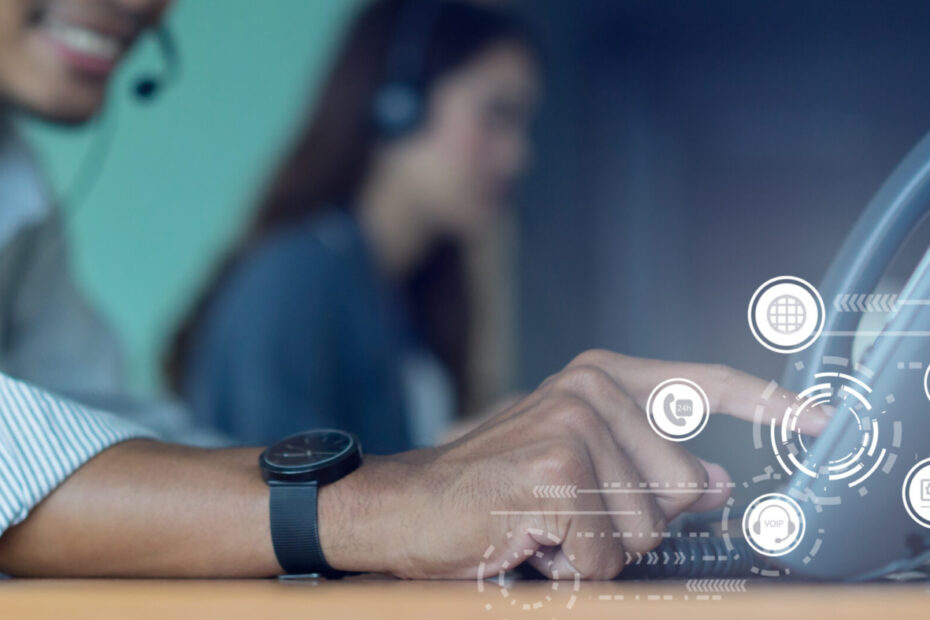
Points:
(331, 158)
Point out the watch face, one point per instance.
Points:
(309, 450)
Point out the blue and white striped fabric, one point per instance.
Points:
(45, 439)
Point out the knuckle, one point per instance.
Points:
(574, 414)
(561, 461)
(585, 378)
(575, 467)
(592, 357)
(548, 381)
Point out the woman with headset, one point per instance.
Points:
(84, 493)
(345, 304)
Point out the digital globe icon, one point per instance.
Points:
(786, 314)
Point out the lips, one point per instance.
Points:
(85, 49)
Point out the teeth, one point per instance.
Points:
(85, 40)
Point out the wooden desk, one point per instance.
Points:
(382, 598)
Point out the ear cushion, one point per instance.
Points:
(757, 526)
(397, 109)
(791, 527)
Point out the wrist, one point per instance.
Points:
(360, 517)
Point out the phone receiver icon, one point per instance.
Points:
(677, 411)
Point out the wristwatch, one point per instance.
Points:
(295, 468)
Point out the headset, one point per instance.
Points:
(757, 526)
(147, 87)
(895, 542)
(399, 104)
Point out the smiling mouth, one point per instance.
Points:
(89, 50)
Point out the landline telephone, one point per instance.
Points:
(865, 535)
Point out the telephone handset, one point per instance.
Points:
(863, 535)
(677, 411)
(895, 541)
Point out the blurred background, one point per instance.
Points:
(685, 153)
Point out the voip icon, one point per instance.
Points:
(773, 524)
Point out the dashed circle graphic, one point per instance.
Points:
(562, 591)
(809, 543)
(876, 450)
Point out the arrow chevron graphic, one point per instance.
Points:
(716, 585)
(652, 557)
(555, 490)
(865, 303)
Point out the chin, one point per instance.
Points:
(72, 108)
(71, 117)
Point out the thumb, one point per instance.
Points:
(717, 486)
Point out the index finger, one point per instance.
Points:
(728, 390)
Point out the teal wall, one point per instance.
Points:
(182, 171)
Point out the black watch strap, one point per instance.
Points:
(295, 532)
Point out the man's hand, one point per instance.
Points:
(434, 513)
(143, 508)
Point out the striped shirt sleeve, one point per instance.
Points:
(43, 440)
